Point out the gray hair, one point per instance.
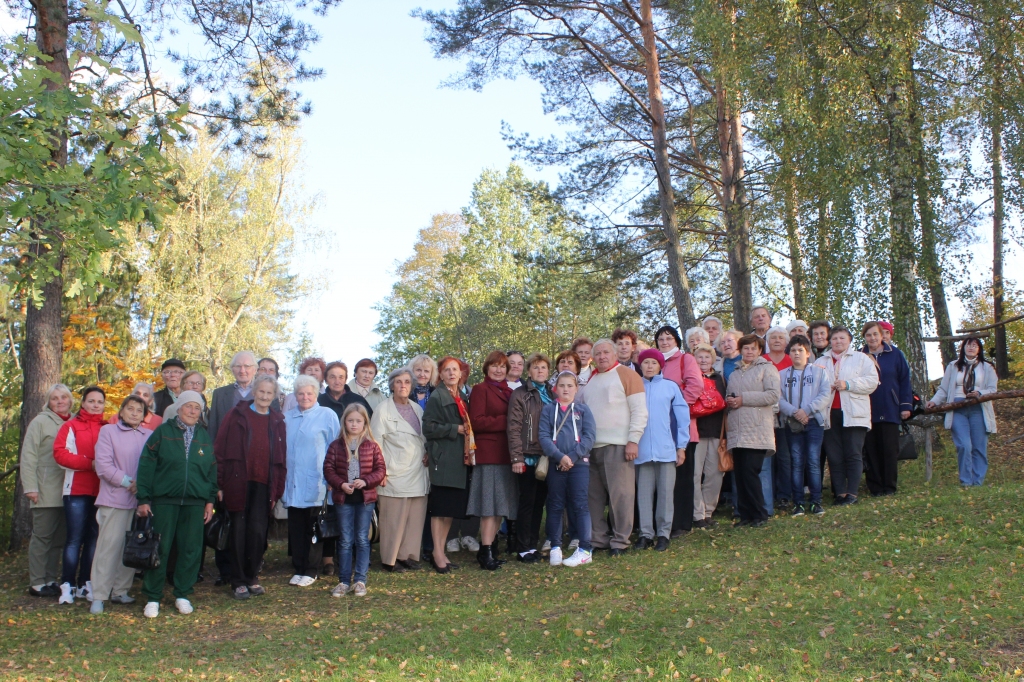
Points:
(239, 354)
(59, 388)
(191, 372)
(777, 329)
(696, 331)
(400, 372)
(265, 379)
(603, 342)
(760, 307)
(304, 380)
(711, 318)
(152, 398)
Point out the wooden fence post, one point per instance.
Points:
(928, 433)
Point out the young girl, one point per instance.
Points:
(567, 432)
(354, 467)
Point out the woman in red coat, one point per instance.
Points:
(251, 451)
(74, 449)
(493, 492)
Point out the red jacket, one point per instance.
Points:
(231, 450)
(371, 469)
(488, 414)
(682, 368)
(74, 448)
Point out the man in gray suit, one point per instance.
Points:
(224, 399)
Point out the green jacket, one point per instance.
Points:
(168, 476)
(441, 422)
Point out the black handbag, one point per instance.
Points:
(374, 527)
(217, 531)
(141, 545)
(325, 523)
(908, 446)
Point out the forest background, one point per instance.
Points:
(840, 160)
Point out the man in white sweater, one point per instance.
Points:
(615, 394)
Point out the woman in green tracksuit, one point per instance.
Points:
(177, 484)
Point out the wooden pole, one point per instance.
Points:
(998, 395)
(928, 434)
(991, 326)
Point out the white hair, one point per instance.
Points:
(776, 330)
(152, 399)
(304, 380)
(710, 318)
(696, 331)
(601, 342)
(265, 379)
(242, 353)
(401, 371)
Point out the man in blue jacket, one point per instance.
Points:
(891, 403)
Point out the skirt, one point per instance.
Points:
(445, 502)
(493, 491)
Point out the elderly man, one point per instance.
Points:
(616, 396)
(243, 366)
(171, 371)
(797, 328)
(713, 326)
(761, 322)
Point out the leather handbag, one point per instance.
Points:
(325, 523)
(725, 462)
(709, 402)
(141, 545)
(217, 532)
(908, 446)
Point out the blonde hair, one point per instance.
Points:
(366, 433)
(424, 359)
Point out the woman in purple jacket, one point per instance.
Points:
(118, 449)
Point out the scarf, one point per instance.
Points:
(545, 393)
(969, 378)
(189, 433)
(671, 353)
(503, 388)
(468, 443)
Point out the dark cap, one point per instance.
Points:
(172, 362)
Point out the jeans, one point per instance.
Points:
(80, 515)
(782, 468)
(971, 441)
(354, 520)
(805, 451)
(568, 489)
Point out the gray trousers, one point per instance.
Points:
(706, 492)
(651, 476)
(612, 484)
(109, 576)
(46, 546)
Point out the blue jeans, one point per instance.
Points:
(568, 489)
(354, 520)
(782, 466)
(971, 441)
(805, 451)
(766, 489)
(80, 515)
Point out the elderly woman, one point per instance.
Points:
(145, 391)
(362, 384)
(969, 376)
(252, 452)
(713, 326)
(177, 485)
(780, 472)
(730, 348)
(493, 492)
(797, 328)
(311, 428)
(853, 378)
(74, 448)
(752, 395)
(450, 451)
(524, 449)
(316, 368)
(190, 381)
(42, 479)
(424, 372)
(516, 367)
(117, 464)
(338, 395)
(696, 336)
(707, 478)
(397, 425)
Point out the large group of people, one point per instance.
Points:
(615, 445)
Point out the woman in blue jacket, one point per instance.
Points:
(567, 433)
(891, 403)
(662, 449)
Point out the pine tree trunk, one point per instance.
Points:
(666, 196)
(41, 354)
(998, 214)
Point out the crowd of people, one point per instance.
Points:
(615, 444)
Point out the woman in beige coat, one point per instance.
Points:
(751, 395)
(397, 426)
(42, 479)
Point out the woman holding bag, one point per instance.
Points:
(709, 411)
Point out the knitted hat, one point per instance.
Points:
(189, 397)
(794, 324)
(887, 326)
(652, 354)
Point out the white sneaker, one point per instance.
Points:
(579, 557)
(359, 589)
(96, 608)
(546, 547)
(184, 606)
(452, 546)
(556, 556)
(340, 590)
(573, 545)
(67, 595)
(306, 581)
(295, 580)
(470, 544)
(85, 592)
(152, 609)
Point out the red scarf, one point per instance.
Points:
(469, 443)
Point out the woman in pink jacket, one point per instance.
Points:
(118, 449)
(681, 368)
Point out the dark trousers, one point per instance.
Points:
(182, 527)
(682, 493)
(746, 472)
(248, 538)
(843, 446)
(82, 530)
(305, 555)
(782, 468)
(532, 496)
(569, 490)
(881, 453)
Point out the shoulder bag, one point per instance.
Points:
(325, 523)
(217, 532)
(141, 545)
(709, 402)
(724, 456)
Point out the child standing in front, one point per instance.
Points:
(567, 433)
(354, 467)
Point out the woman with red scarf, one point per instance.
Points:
(449, 458)
(493, 492)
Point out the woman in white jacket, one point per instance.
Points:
(969, 376)
(853, 377)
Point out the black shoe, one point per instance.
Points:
(662, 544)
(678, 533)
(200, 578)
(798, 510)
(840, 501)
(50, 590)
(852, 499)
(643, 543)
(615, 551)
(710, 523)
(221, 582)
(758, 523)
(395, 568)
(739, 523)
(817, 509)
(485, 557)
(531, 557)
(409, 564)
(700, 525)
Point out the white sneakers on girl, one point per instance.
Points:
(359, 589)
(67, 594)
(184, 606)
(579, 557)
(152, 609)
(340, 590)
(556, 556)
(306, 581)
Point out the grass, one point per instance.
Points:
(925, 585)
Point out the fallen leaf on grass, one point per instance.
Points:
(826, 631)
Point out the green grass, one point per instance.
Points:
(925, 585)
